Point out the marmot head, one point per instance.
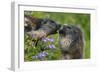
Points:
(71, 40)
(70, 30)
(49, 26)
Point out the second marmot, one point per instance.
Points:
(71, 42)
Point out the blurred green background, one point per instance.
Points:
(77, 19)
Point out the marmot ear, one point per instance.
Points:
(58, 26)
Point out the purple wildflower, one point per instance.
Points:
(51, 46)
(50, 39)
(44, 40)
(47, 39)
(42, 55)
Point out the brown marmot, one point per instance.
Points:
(38, 27)
(71, 42)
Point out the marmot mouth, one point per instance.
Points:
(62, 32)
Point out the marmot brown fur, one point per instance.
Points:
(38, 27)
(71, 42)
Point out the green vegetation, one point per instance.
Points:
(77, 19)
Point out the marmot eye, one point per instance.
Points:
(68, 27)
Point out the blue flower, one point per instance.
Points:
(51, 46)
(44, 39)
(42, 54)
(50, 39)
(47, 39)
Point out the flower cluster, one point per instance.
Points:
(40, 56)
(49, 42)
(51, 46)
(47, 39)
(45, 45)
